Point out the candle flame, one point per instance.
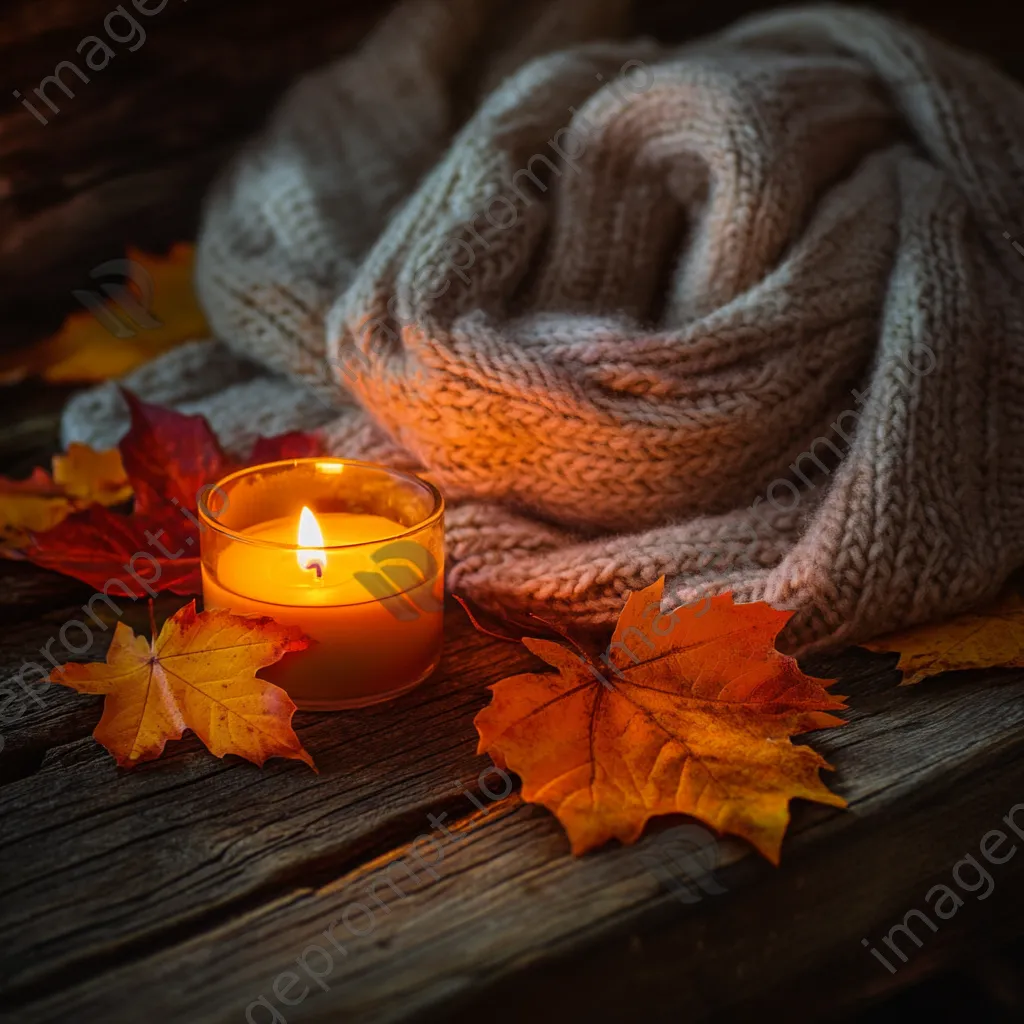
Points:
(311, 541)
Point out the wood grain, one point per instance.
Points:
(192, 883)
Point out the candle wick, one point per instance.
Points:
(319, 569)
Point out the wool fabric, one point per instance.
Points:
(742, 312)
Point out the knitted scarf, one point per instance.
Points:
(744, 312)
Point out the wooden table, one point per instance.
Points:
(185, 890)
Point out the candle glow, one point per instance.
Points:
(363, 576)
(311, 541)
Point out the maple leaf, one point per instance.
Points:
(988, 639)
(80, 477)
(91, 476)
(686, 713)
(169, 458)
(86, 350)
(199, 674)
(136, 553)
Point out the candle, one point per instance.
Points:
(350, 553)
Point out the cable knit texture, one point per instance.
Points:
(739, 312)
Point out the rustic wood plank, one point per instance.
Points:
(194, 882)
(34, 717)
(257, 830)
(793, 942)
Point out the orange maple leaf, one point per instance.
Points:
(686, 713)
(81, 477)
(86, 349)
(993, 638)
(198, 674)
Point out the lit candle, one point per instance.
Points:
(350, 553)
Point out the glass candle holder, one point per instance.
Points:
(351, 553)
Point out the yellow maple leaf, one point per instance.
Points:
(988, 639)
(81, 477)
(199, 673)
(88, 347)
(29, 506)
(88, 475)
(686, 713)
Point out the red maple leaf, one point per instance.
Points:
(168, 456)
(145, 553)
(170, 459)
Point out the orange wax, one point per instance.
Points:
(365, 649)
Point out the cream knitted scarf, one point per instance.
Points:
(740, 312)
